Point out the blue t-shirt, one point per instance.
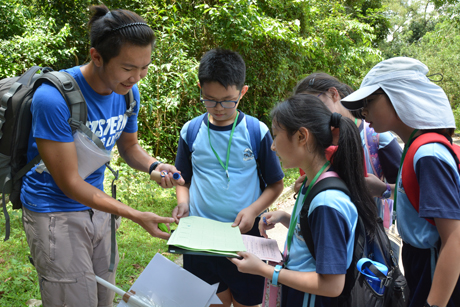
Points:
(439, 181)
(106, 118)
(333, 219)
(212, 195)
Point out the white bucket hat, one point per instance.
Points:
(419, 103)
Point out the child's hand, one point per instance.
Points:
(181, 210)
(298, 183)
(249, 264)
(268, 221)
(245, 220)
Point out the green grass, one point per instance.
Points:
(18, 278)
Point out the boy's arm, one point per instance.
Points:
(447, 269)
(61, 161)
(246, 217)
(183, 199)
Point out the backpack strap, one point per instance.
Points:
(130, 103)
(73, 96)
(254, 134)
(192, 130)
(360, 241)
(408, 176)
(320, 186)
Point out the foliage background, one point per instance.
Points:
(281, 41)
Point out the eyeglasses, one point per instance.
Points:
(226, 104)
(367, 101)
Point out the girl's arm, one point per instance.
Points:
(310, 282)
(447, 270)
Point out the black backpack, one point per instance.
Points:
(357, 292)
(15, 124)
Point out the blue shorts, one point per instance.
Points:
(418, 272)
(246, 289)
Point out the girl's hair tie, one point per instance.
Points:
(335, 120)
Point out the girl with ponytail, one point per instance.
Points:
(303, 127)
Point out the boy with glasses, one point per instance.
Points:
(221, 173)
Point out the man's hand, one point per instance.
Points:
(168, 181)
(149, 221)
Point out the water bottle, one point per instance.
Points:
(375, 282)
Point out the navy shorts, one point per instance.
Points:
(246, 289)
(418, 270)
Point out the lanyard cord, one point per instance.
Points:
(293, 221)
(225, 167)
(406, 147)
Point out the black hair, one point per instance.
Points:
(110, 30)
(224, 66)
(320, 82)
(308, 111)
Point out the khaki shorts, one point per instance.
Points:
(68, 250)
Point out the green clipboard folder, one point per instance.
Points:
(200, 236)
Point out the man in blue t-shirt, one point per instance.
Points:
(67, 219)
(221, 173)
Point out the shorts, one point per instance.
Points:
(418, 271)
(68, 250)
(246, 289)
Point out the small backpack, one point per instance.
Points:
(254, 135)
(408, 176)
(372, 139)
(16, 120)
(357, 291)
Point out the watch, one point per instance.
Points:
(276, 272)
(387, 192)
(428, 305)
(153, 166)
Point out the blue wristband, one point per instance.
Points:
(276, 272)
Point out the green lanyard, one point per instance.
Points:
(293, 221)
(406, 147)
(225, 167)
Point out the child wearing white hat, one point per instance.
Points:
(396, 95)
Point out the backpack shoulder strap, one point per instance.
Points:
(325, 184)
(73, 96)
(192, 130)
(408, 176)
(254, 134)
(130, 103)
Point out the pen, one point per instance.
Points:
(265, 220)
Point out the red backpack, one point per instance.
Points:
(408, 177)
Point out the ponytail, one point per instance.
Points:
(347, 161)
(308, 111)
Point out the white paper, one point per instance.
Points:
(166, 284)
(90, 156)
(265, 249)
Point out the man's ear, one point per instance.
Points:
(96, 57)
